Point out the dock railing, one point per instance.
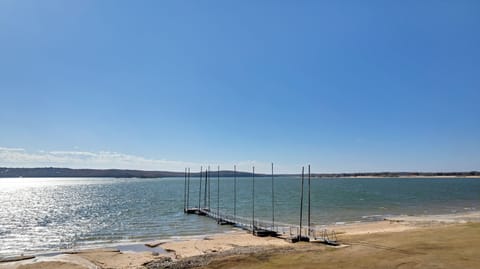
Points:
(279, 229)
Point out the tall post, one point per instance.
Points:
(185, 192)
(253, 199)
(209, 187)
(301, 204)
(200, 189)
(188, 188)
(205, 196)
(235, 192)
(309, 207)
(273, 203)
(218, 193)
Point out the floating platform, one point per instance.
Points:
(264, 233)
(298, 238)
(191, 210)
(225, 222)
(334, 243)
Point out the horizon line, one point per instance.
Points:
(250, 172)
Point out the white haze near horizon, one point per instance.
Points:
(21, 158)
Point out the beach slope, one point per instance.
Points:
(446, 246)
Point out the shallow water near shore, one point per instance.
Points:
(49, 214)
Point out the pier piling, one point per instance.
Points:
(200, 188)
(253, 199)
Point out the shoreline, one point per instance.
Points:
(313, 176)
(209, 247)
(390, 177)
(351, 226)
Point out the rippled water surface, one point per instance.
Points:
(56, 213)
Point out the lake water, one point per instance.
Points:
(49, 214)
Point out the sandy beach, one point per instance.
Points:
(433, 241)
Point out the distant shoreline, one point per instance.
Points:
(379, 177)
(43, 172)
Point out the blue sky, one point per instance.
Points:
(344, 85)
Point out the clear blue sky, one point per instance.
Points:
(343, 85)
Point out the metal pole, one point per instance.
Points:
(273, 202)
(205, 196)
(188, 188)
(301, 204)
(209, 187)
(200, 189)
(235, 192)
(185, 192)
(253, 199)
(309, 207)
(218, 193)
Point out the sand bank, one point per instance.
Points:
(87, 259)
(404, 223)
(441, 247)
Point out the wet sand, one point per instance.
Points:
(441, 241)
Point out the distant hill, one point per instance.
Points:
(117, 173)
(121, 173)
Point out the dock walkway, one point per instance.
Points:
(292, 233)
